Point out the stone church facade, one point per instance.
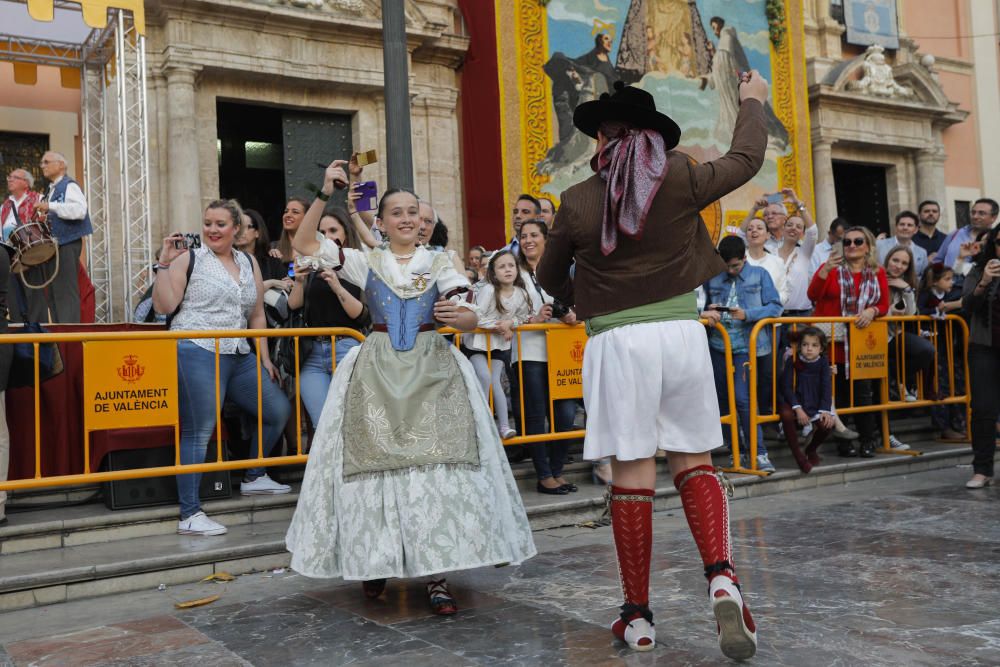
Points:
(322, 56)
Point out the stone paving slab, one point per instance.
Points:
(876, 573)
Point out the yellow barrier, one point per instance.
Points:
(729, 421)
(90, 477)
(883, 405)
(124, 337)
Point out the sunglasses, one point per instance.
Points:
(856, 241)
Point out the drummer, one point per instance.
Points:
(17, 209)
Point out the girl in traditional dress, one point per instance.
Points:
(407, 476)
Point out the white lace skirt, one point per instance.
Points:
(412, 522)
(647, 387)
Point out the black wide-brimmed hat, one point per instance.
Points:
(630, 105)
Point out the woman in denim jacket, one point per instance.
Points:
(737, 298)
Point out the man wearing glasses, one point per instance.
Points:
(67, 216)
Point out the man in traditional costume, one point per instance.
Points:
(641, 249)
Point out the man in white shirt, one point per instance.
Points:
(835, 234)
(774, 216)
(67, 216)
(906, 226)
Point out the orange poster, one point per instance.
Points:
(869, 349)
(129, 384)
(565, 351)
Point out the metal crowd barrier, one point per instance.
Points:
(88, 476)
(728, 421)
(882, 403)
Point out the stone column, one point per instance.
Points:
(183, 186)
(826, 192)
(930, 182)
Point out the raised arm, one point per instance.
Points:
(304, 242)
(170, 280)
(712, 180)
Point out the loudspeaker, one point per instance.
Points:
(150, 491)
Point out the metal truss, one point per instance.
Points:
(95, 171)
(130, 59)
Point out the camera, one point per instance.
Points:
(559, 309)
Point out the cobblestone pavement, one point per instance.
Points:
(893, 571)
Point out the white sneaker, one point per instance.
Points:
(507, 433)
(737, 631)
(764, 463)
(199, 524)
(263, 486)
(911, 396)
(897, 444)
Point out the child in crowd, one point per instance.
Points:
(937, 298)
(805, 396)
(503, 305)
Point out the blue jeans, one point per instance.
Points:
(316, 374)
(548, 457)
(196, 389)
(741, 389)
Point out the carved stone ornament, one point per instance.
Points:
(878, 79)
(353, 6)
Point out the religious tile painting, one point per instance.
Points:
(687, 53)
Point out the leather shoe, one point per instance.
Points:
(846, 449)
(867, 450)
(557, 491)
(572, 488)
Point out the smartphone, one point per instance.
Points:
(837, 250)
(722, 309)
(369, 196)
(366, 158)
(291, 269)
(180, 244)
(776, 198)
(337, 183)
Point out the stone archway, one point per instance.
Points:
(865, 110)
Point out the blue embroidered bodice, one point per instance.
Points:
(402, 317)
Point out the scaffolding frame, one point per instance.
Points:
(114, 120)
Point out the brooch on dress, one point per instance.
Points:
(420, 281)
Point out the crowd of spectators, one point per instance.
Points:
(776, 266)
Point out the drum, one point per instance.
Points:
(33, 245)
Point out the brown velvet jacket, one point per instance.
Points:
(675, 254)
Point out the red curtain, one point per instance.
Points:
(482, 163)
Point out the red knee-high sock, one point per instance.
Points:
(707, 512)
(632, 524)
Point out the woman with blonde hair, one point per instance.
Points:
(852, 284)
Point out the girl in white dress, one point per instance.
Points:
(407, 476)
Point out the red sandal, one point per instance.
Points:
(442, 602)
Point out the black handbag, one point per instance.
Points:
(22, 366)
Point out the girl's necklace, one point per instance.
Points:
(403, 258)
